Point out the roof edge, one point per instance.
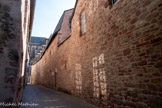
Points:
(74, 10)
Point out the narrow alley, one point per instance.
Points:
(47, 98)
(81, 53)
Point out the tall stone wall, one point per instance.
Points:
(15, 28)
(10, 48)
(116, 63)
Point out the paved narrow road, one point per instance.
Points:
(41, 97)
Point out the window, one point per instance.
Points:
(83, 23)
(33, 52)
(59, 38)
(70, 23)
(112, 2)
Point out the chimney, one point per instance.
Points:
(46, 42)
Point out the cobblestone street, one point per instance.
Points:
(48, 98)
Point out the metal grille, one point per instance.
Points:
(113, 2)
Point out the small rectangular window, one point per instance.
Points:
(70, 22)
(83, 23)
(59, 38)
(112, 2)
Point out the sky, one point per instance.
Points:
(47, 15)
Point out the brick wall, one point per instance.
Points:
(65, 31)
(116, 63)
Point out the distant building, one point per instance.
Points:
(36, 47)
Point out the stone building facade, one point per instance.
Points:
(37, 46)
(113, 57)
(15, 28)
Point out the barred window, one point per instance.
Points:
(83, 23)
(112, 2)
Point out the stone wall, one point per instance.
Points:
(13, 43)
(116, 63)
(10, 46)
